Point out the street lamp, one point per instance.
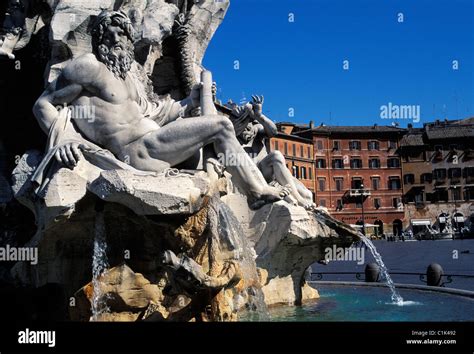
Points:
(362, 205)
(455, 210)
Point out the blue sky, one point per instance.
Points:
(299, 65)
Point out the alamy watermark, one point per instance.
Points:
(351, 254)
(37, 337)
(82, 112)
(19, 254)
(236, 159)
(395, 111)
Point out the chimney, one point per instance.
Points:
(410, 126)
(311, 124)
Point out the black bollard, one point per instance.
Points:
(372, 273)
(434, 273)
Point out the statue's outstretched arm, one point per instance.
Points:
(269, 127)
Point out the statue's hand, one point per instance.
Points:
(257, 105)
(195, 95)
(69, 154)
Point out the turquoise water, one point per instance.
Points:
(361, 303)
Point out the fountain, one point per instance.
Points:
(99, 266)
(189, 238)
(396, 298)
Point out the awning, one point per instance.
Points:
(366, 225)
(420, 222)
(459, 219)
(442, 219)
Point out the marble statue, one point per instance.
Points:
(128, 106)
(150, 136)
(253, 128)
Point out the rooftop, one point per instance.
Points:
(358, 129)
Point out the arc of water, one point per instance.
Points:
(396, 298)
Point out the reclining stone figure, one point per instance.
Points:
(148, 135)
(252, 128)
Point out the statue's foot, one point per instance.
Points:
(270, 194)
(4, 53)
(217, 166)
(309, 205)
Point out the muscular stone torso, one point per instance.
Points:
(117, 120)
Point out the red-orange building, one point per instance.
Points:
(358, 174)
(298, 152)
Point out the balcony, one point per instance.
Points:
(359, 192)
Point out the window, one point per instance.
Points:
(394, 183)
(377, 203)
(322, 202)
(337, 163)
(322, 184)
(469, 195)
(373, 145)
(336, 145)
(409, 178)
(275, 144)
(419, 197)
(453, 147)
(392, 144)
(320, 163)
(438, 153)
(354, 145)
(286, 148)
(339, 205)
(301, 151)
(426, 178)
(375, 183)
(396, 202)
(309, 152)
(294, 149)
(440, 195)
(303, 172)
(358, 204)
(296, 172)
(356, 183)
(468, 172)
(456, 193)
(319, 145)
(356, 162)
(439, 174)
(310, 173)
(393, 162)
(374, 162)
(339, 184)
(454, 173)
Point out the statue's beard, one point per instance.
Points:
(118, 61)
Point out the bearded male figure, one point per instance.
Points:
(147, 135)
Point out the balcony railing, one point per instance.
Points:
(359, 192)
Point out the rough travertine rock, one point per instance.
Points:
(152, 195)
(126, 294)
(287, 240)
(22, 187)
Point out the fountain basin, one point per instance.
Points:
(341, 302)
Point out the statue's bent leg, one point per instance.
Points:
(179, 140)
(273, 167)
